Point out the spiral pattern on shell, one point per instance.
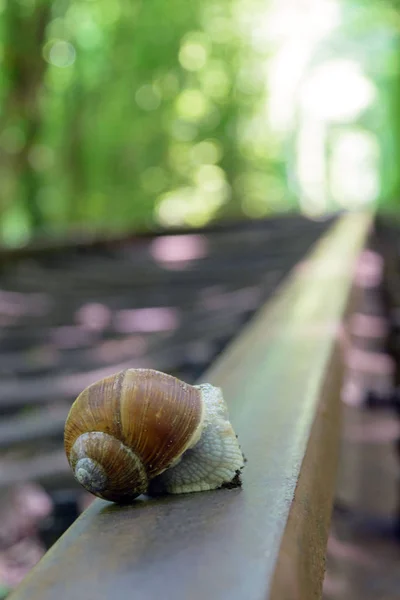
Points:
(128, 428)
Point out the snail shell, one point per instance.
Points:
(142, 431)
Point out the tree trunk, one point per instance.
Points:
(25, 69)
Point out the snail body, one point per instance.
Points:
(142, 431)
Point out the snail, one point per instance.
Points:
(142, 431)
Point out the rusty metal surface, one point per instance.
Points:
(78, 308)
(300, 567)
(226, 544)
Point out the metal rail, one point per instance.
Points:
(282, 380)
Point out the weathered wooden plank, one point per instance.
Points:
(84, 242)
(32, 427)
(43, 467)
(281, 379)
(164, 350)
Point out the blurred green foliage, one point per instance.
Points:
(133, 113)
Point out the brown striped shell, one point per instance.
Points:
(125, 429)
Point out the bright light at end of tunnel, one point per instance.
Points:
(295, 29)
(354, 169)
(337, 91)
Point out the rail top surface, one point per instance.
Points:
(281, 380)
